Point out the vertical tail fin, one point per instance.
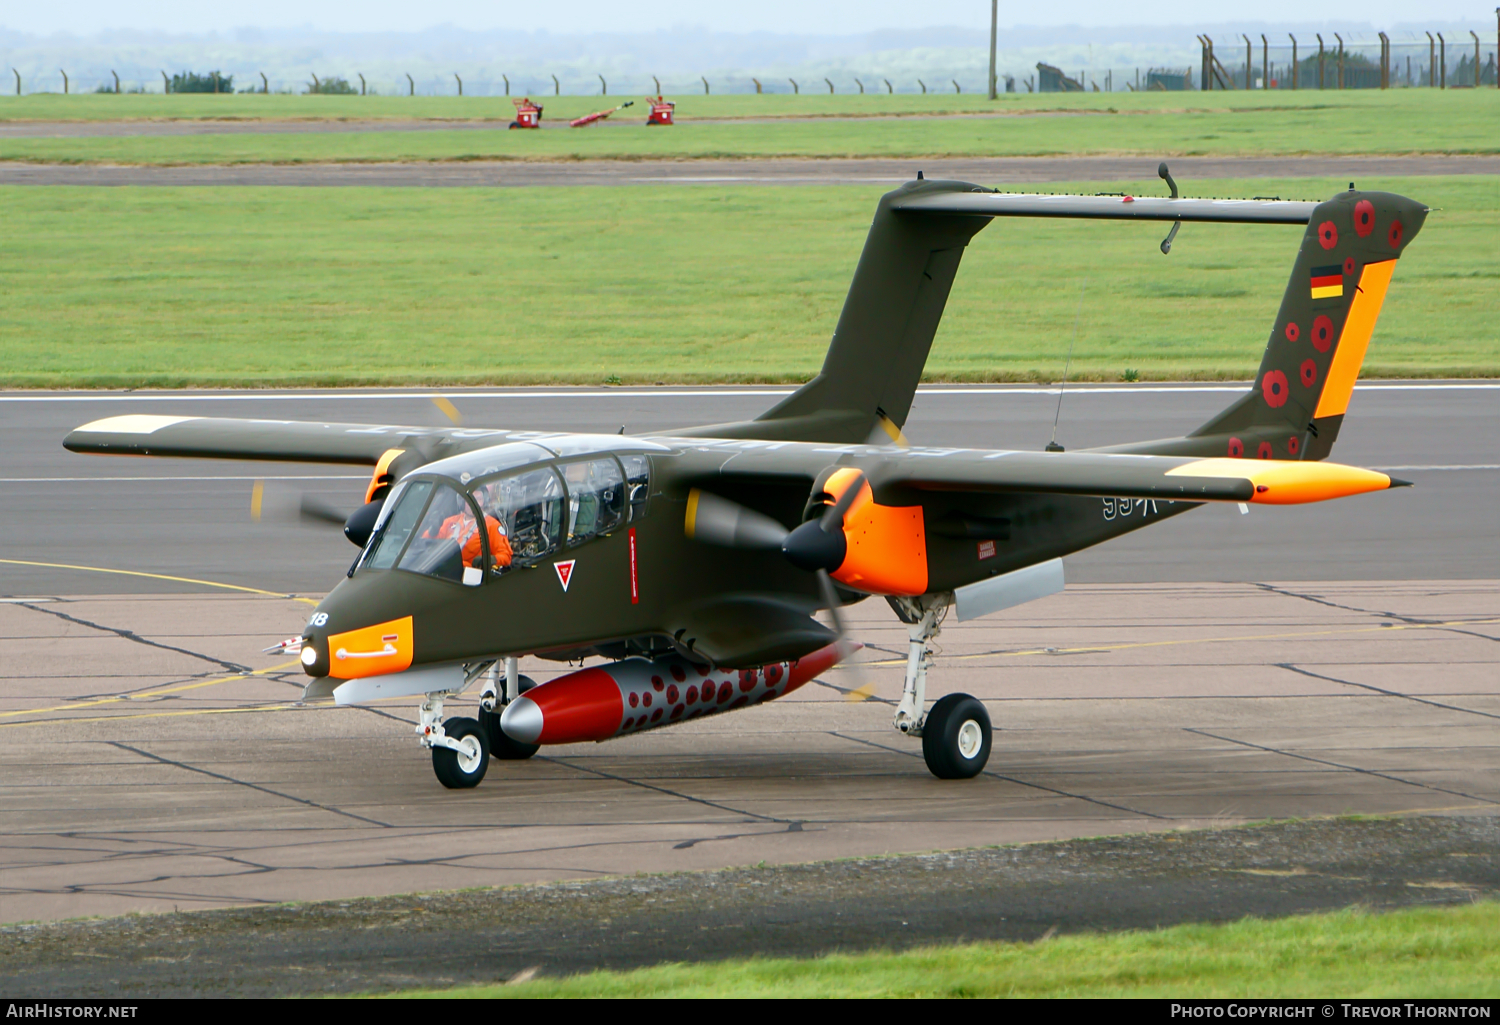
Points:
(884, 333)
(1318, 344)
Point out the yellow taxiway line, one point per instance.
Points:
(156, 576)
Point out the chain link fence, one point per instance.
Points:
(1348, 61)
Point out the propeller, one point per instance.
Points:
(288, 504)
(817, 546)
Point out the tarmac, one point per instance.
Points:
(753, 171)
(155, 760)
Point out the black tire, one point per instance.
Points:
(948, 740)
(454, 771)
(501, 746)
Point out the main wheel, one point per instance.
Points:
(956, 737)
(501, 746)
(460, 770)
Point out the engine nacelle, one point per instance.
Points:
(641, 694)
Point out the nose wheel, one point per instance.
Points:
(462, 763)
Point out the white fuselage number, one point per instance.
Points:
(1119, 508)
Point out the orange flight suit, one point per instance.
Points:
(460, 527)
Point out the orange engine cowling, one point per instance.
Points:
(886, 545)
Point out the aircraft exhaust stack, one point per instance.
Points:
(603, 702)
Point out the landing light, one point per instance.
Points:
(309, 656)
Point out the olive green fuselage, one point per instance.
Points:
(638, 586)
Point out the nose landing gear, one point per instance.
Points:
(461, 765)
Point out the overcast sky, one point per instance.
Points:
(792, 16)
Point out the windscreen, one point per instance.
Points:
(391, 536)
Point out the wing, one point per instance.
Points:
(1165, 478)
(1168, 478)
(984, 203)
(282, 440)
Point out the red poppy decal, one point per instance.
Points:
(677, 674)
(1328, 235)
(1394, 235)
(1264, 451)
(1274, 387)
(726, 691)
(1236, 448)
(692, 695)
(672, 694)
(1293, 332)
(1293, 444)
(1348, 265)
(1364, 217)
(656, 715)
(1322, 335)
(1309, 373)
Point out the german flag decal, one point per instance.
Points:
(1328, 282)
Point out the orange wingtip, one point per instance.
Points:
(1284, 482)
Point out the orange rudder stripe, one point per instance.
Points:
(1349, 356)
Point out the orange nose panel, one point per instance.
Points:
(372, 651)
(887, 544)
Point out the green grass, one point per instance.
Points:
(132, 287)
(1382, 123)
(1414, 953)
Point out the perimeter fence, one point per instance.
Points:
(1352, 61)
(1333, 60)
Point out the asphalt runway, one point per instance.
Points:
(191, 518)
(154, 760)
(519, 173)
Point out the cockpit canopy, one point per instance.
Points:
(484, 513)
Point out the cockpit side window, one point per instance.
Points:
(596, 498)
(446, 542)
(523, 517)
(398, 517)
(637, 483)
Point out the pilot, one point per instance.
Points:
(460, 528)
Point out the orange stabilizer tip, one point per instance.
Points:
(371, 651)
(1286, 482)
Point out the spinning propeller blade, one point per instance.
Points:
(718, 521)
(310, 510)
(817, 546)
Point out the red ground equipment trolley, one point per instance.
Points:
(661, 111)
(528, 114)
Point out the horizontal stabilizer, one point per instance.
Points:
(984, 203)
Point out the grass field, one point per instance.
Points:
(1368, 122)
(134, 287)
(1416, 953)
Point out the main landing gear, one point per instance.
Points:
(956, 733)
(462, 747)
